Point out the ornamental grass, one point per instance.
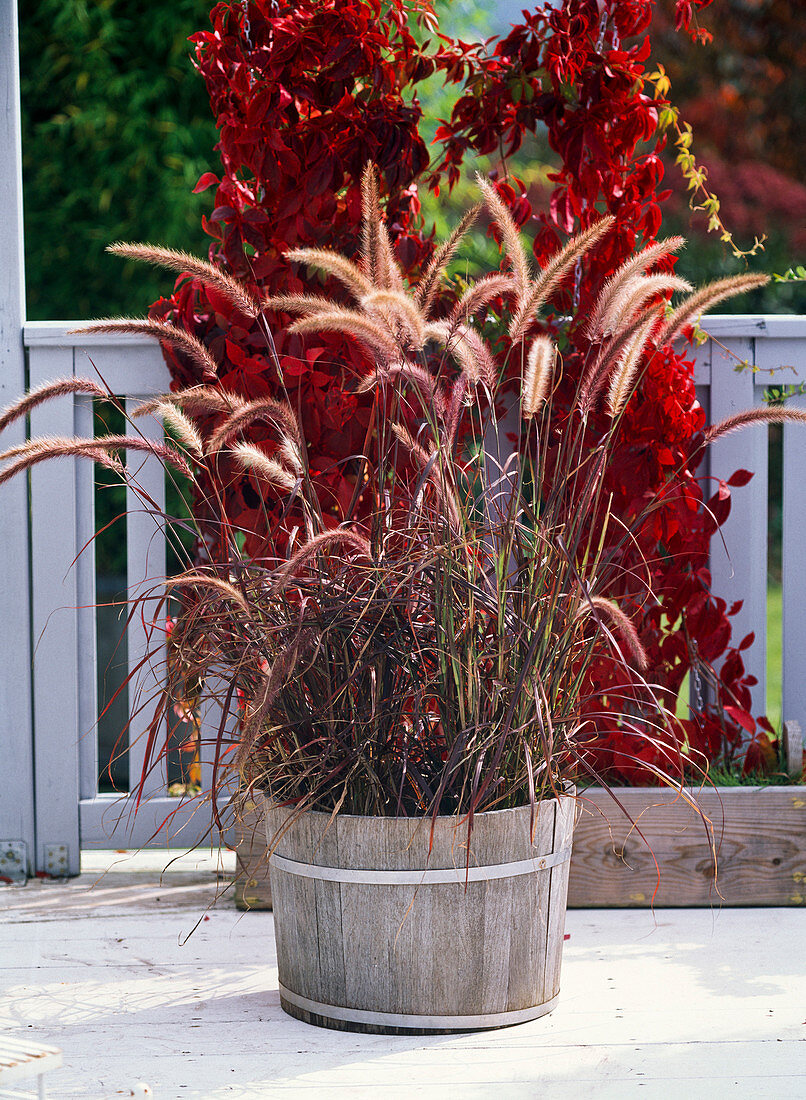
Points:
(429, 656)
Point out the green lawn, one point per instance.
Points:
(774, 655)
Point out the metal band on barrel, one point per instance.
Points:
(431, 875)
(401, 1019)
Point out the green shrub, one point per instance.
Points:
(116, 132)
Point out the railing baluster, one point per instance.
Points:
(145, 546)
(209, 724)
(740, 572)
(86, 599)
(55, 597)
(793, 705)
(17, 811)
(700, 691)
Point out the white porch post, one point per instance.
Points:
(16, 736)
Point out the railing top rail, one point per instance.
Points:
(59, 334)
(777, 326)
(129, 364)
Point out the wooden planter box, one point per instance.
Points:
(247, 837)
(759, 834)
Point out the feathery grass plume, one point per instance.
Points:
(424, 384)
(278, 413)
(257, 708)
(607, 359)
(622, 623)
(390, 277)
(182, 427)
(370, 216)
(365, 331)
(165, 453)
(468, 348)
(44, 443)
(377, 252)
(421, 457)
(636, 264)
(706, 298)
(415, 449)
(426, 289)
(774, 414)
(39, 450)
(291, 452)
(104, 444)
(320, 543)
(333, 263)
(553, 274)
(200, 580)
(538, 375)
(398, 312)
(629, 361)
(460, 397)
(45, 392)
(510, 235)
(194, 401)
(480, 293)
(255, 461)
(298, 303)
(184, 341)
(633, 294)
(186, 264)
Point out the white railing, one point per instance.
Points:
(70, 813)
(776, 349)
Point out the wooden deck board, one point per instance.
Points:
(689, 1003)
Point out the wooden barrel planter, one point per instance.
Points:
(375, 935)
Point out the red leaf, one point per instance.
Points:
(562, 212)
(208, 179)
(747, 641)
(742, 718)
(719, 504)
(741, 477)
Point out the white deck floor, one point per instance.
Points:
(685, 1003)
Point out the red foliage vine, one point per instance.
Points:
(317, 88)
(313, 91)
(580, 71)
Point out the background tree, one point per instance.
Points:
(116, 131)
(743, 93)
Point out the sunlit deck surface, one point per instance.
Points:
(682, 1003)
